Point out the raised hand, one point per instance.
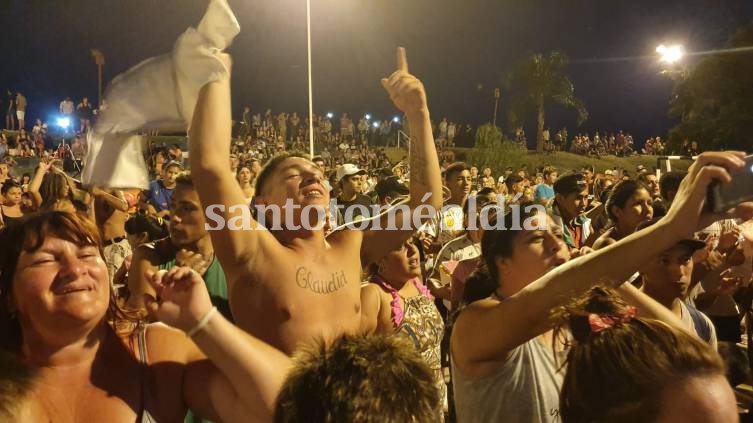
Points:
(728, 239)
(734, 257)
(729, 284)
(687, 212)
(182, 297)
(226, 60)
(44, 165)
(405, 90)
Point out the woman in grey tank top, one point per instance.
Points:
(503, 365)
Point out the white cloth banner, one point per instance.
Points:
(160, 93)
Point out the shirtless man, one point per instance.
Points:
(291, 286)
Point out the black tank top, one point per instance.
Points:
(7, 219)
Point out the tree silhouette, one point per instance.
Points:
(714, 100)
(537, 81)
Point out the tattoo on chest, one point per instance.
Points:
(305, 279)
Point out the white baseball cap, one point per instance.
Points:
(348, 169)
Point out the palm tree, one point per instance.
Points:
(538, 80)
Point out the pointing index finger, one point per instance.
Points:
(402, 60)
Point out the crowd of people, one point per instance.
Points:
(603, 143)
(516, 297)
(337, 140)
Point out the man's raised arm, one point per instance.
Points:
(221, 196)
(409, 96)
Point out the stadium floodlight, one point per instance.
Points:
(671, 54)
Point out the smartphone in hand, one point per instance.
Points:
(722, 197)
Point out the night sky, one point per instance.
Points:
(460, 49)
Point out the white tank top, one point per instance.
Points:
(525, 389)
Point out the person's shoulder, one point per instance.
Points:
(475, 310)
(364, 199)
(373, 288)
(167, 344)
(344, 232)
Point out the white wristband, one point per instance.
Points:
(203, 322)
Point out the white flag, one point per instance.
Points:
(160, 93)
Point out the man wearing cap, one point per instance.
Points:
(570, 202)
(351, 179)
(666, 278)
(160, 192)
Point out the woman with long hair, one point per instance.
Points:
(58, 314)
(246, 179)
(503, 369)
(51, 189)
(11, 203)
(628, 204)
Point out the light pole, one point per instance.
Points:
(311, 97)
(99, 60)
(497, 95)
